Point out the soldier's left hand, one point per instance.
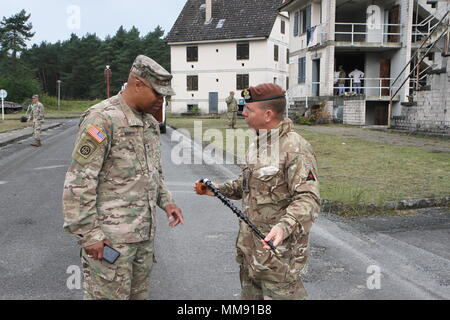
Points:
(174, 214)
(276, 235)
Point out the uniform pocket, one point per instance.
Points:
(100, 268)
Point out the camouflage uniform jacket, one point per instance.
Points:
(37, 112)
(232, 105)
(277, 188)
(115, 180)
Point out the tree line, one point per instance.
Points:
(78, 62)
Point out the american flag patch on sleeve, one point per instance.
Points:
(97, 134)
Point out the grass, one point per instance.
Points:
(358, 173)
(8, 125)
(68, 108)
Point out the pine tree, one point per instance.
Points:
(15, 31)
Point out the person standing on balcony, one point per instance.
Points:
(357, 75)
(341, 81)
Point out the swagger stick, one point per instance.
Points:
(200, 188)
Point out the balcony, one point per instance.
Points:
(356, 36)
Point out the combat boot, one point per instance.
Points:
(37, 143)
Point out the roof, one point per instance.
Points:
(240, 19)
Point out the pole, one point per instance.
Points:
(59, 95)
(108, 74)
(3, 109)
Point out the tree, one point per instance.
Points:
(15, 31)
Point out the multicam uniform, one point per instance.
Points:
(37, 115)
(111, 191)
(277, 188)
(232, 108)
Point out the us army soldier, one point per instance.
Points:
(115, 182)
(280, 194)
(37, 116)
(232, 108)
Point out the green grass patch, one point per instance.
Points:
(8, 125)
(359, 173)
(68, 108)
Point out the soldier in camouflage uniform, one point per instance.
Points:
(115, 182)
(37, 116)
(232, 108)
(280, 194)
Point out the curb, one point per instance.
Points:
(27, 135)
(407, 204)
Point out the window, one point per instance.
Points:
(306, 18)
(275, 80)
(192, 53)
(283, 27)
(287, 56)
(296, 22)
(243, 51)
(241, 81)
(275, 52)
(301, 70)
(287, 83)
(192, 83)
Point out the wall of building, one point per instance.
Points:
(355, 111)
(217, 68)
(431, 111)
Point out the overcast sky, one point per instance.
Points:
(55, 20)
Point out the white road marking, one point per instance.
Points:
(50, 167)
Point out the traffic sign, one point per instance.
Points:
(3, 94)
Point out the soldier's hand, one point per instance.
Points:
(95, 251)
(174, 214)
(276, 235)
(206, 190)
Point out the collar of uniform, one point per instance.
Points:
(131, 116)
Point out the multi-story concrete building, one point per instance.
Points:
(379, 38)
(218, 46)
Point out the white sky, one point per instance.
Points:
(55, 20)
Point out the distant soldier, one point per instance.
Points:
(115, 182)
(279, 189)
(341, 80)
(232, 109)
(37, 116)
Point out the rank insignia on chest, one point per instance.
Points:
(96, 133)
(310, 176)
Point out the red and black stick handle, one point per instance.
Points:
(200, 188)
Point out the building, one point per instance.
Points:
(218, 46)
(386, 40)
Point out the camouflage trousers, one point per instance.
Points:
(37, 129)
(232, 118)
(127, 279)
(253, 289)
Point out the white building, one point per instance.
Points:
(377, 37)
(218, 46)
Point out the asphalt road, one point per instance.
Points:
(196, 260)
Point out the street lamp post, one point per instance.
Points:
(59, 94)
(108, 76)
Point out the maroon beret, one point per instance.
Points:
(263, 92)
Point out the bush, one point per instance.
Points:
(19, 88)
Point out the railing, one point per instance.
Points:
(419, 58)
(360, 32)
(369, 86)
